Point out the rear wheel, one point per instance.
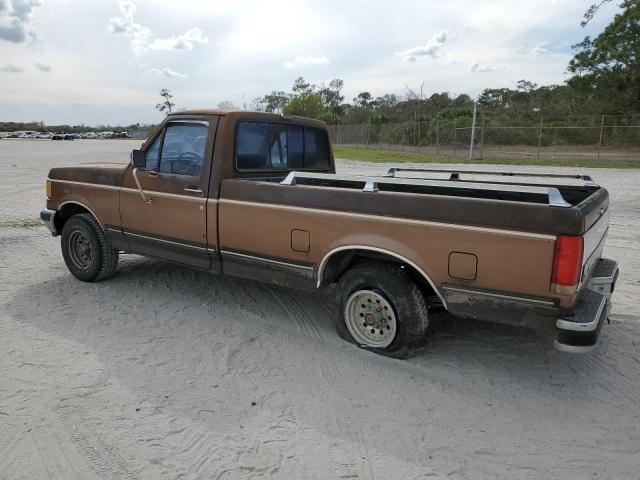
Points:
(87, 250)
(382, 309)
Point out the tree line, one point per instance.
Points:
(136, 128)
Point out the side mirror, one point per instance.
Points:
(138, 159)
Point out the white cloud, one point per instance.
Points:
(15, 20)
(431, 49)
(10, 68)
(43, 67)
(141, 36)
(307, 61)
(539, 50)
(167, 72)
(125, 24)
(185, 41)
(485, 67)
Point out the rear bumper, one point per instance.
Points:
(578, 332)
(48, 216)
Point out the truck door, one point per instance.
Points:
(171, 221)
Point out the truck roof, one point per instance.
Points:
(242, 114)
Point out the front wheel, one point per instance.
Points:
(382, 309)
(87, 250)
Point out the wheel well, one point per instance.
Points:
(339, 262)
(67, 211)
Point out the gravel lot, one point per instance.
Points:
(165, 372)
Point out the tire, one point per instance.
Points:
(392, 290)
(86, 249)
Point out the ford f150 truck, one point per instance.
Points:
(256, 195)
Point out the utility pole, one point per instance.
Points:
(473, 130)
(540, 134)
(437, 134)
(600, 141)
(482, 138)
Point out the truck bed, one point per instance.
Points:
(552, 204)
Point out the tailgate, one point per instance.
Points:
(594, 239)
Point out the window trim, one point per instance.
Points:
(287, 168)
(286, 132)
(159, 137)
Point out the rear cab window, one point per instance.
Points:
(267, 146)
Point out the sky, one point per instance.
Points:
(103, 62)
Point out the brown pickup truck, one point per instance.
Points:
(255, 195)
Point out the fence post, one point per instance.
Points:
(473, 130)
(482, 138)
(455, 134)
(540, 135)
(600, 141)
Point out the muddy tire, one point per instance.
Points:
(382, 309)
(87, 250)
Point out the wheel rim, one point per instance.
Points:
(80, 249)
(370, 319)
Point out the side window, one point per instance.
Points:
(183, 149)
(152, 154)
(295, 139)
(252, 147)
(316, 148)
(278, 146)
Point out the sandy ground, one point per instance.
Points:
(164, 372)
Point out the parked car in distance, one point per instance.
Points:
(256, 195)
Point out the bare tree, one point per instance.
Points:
(413, 95)
(227, 105)
(593, 9)
(258, 104)
(167, 103)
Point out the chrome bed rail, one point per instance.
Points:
(503, 177)
(375, 184)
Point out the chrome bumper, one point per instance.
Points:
(578, 332)
(47, 216)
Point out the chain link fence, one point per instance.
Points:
(589, 139)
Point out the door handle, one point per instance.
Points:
(194, 191)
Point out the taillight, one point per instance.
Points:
(47, 189)
(567, 263)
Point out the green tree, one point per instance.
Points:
(275, 101)
(606, 68)
(364, 100)
(308, 104)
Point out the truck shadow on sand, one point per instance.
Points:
(147, 295)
